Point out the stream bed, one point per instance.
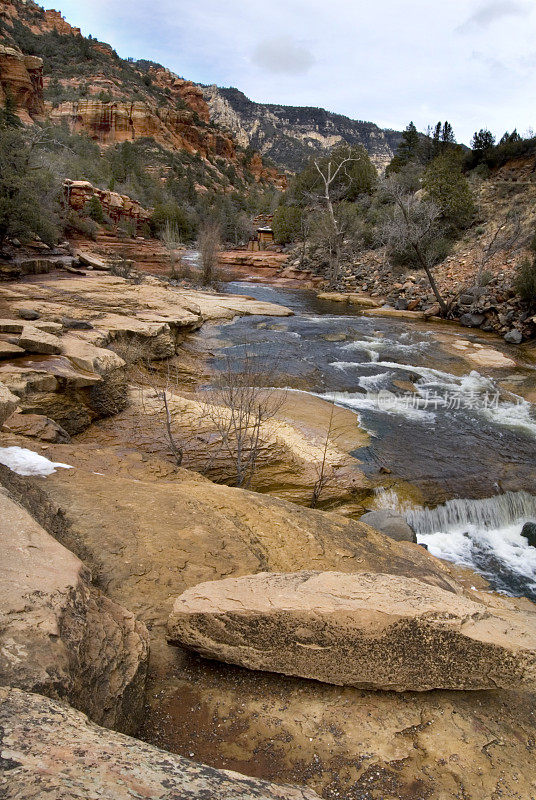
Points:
(454, 433)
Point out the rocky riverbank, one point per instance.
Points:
(102, 547)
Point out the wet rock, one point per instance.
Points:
(59, 635)
(28, 314)
(36, 341)
(432, 311)
(393, 525)
(472, 320)
(373, 631)
(51, 750)
(529, 532)
(36, 426)
(362, 300)
(514, 336)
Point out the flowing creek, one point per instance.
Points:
(462, 438)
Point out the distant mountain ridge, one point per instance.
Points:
(290, 135)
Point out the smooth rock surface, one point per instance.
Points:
(51, 750)
(373, 631)
(8, 350)
(149, 532)
(59, 635)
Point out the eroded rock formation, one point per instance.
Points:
(59, 635)
(21, 78)
(288, 135)
(117, 206)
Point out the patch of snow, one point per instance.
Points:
(26, 462)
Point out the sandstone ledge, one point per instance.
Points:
(373, 631)
(51, 750)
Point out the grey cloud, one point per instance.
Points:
(283, 55)
(492, 11)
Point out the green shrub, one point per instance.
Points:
(449, 188)
(287, 224)
(84, 225)
(525, 280)
(93, 209)
(172, 214)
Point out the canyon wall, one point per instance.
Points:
(290, 135)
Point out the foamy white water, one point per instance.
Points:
(484, 535)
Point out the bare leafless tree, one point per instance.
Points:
(414, 225)
(330, 171)
(209, 245)
(323, 476)
(239, 407)
(170, 238)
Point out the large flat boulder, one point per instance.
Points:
(59, 635)
(51, 750)
(373, 631)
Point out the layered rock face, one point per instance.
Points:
(71, 376)
(50, 750)
(55, 21)
(21, 77)
(113, 122)
(59, 635)
(371, 631)
(186, 90)
(290, 136)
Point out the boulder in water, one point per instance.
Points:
(529, 532)
(391, 524)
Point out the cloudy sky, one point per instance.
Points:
(472, 62)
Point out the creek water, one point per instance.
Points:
(456, 434)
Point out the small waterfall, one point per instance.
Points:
(491, 513)
(484, 535)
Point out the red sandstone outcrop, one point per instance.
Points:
(110, 123)
(55, 21)
(117, 206)
(188, 91)
(263, 173)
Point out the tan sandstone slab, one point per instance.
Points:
(51, 750)
(36, 341)
(372, 631)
